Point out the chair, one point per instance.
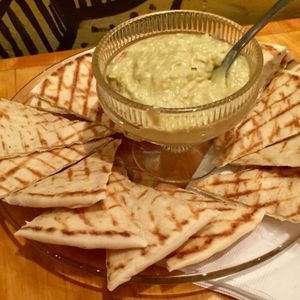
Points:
(88, 20)
(35, 26)
(29, 27)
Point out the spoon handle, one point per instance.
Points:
(232, 54)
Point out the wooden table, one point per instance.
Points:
(29, 275)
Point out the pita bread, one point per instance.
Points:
(42, 104)
(167, 224)
(276, 58)
(275, 189)
(20, 172)
(217, 236)
(234, 221)
(46, 105)
(80, 185)
(274, 118)
(229, 226)
(106, 224)
(285, 153)
(24, 130)
(294, 67)
(72, 87)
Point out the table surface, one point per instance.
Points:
(28, 274)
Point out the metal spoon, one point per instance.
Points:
(222, 70)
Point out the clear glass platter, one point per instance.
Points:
(275, 235)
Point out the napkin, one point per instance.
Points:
(276, 278)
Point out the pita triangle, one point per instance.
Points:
(228, 227)
(275, 118)
(275, 189)
(42, 104)
(80, 185)
(106, 224)
(72, 87)
(276, 58)
(20, 172)
(166, 222)
(24, 130)
(285, 153)
(294, 66)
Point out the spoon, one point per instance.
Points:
(222, 70)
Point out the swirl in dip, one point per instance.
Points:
(174, 71)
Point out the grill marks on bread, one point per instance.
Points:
(33, 130)
(276, 58)
(166, 221)
(273, 119)
(106, 224)
(19, 172)
(82, 184)
(275, 189)
(71, 88)
(233, 222)
(278, 154)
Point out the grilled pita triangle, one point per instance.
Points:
(234, 221)
(167, 223)
(275, 189)
(276, 58)
(24, 130)
(20, 172)
(72, 87)
(106, 224)
(48, 106)
(229, 226)
(275, 118)
(285, 153)
(45, 105)
(80, 185)
(294, 67)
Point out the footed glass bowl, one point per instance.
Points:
(176, 129)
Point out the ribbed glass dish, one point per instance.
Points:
(169, 126)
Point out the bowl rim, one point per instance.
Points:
(100, 78)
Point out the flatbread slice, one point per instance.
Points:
(285, 153)
(42, 104)
(234, 221)
(80, 185)
(275, 118)
(106, 224)
(167, 223)
(276, 58)
(72, 87)
(48, 106)
(20, 172)
(294, 67)
(24, 130)
(275, 189)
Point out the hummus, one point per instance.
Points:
(174, 71)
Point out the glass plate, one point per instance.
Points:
(275, 236)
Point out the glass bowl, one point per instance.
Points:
(175, 126)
